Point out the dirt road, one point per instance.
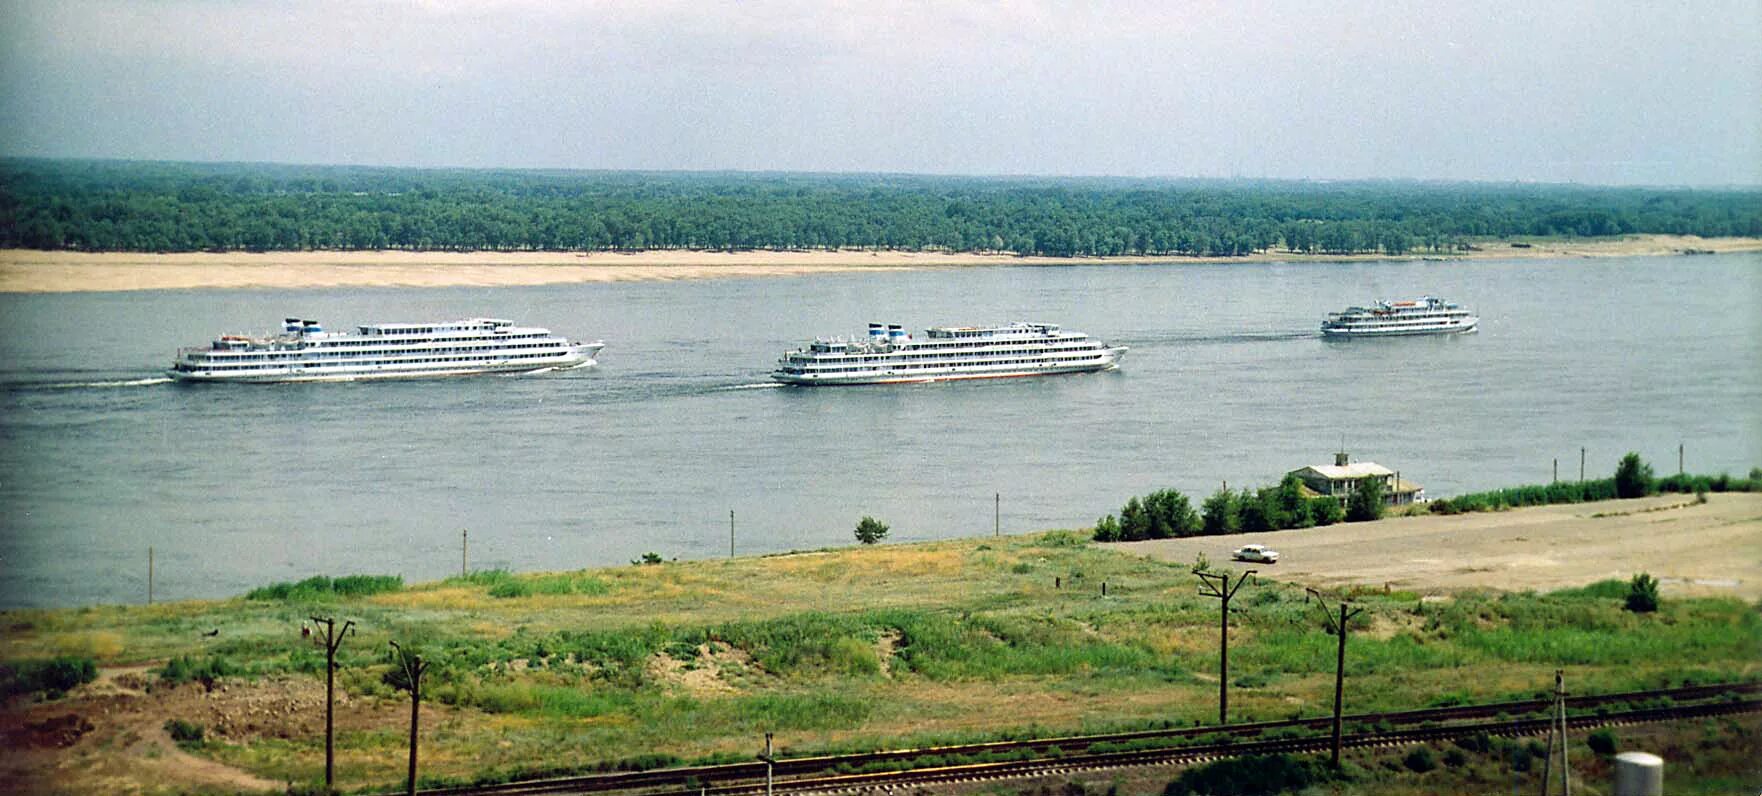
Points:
(1693, 549)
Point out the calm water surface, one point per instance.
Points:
(235, 486)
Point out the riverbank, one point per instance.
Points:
(936, 642)
(27, 271)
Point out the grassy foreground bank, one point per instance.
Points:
(855, 649)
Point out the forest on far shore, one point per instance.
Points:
(87, 205)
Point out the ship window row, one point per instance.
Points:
(315, 354)
(346, 341)
(960, 355)
(940, 365)
(360, 363)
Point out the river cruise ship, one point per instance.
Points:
(305, 352)
(1425, 315)
(889, 355)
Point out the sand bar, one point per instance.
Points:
(27, 271)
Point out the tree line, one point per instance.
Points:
(1166, 513)
(163, 207)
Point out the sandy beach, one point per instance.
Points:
(27, 271)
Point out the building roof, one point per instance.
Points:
(1349, 472)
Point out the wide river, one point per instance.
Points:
(235, 486)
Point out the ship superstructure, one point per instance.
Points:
(304, 351)
(1425, 315)
(889, 355)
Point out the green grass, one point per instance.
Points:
(322, 587)
(888, 646)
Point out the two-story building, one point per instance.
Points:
(1343, 478)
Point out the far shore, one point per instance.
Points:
(29, 271)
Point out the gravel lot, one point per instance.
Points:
(1700, 549)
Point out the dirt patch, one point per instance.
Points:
(109, 736)
(706, 673)
(1708, 549)
(885, 648)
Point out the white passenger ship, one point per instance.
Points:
(889, 355)
(1425, 315)
(305, 352)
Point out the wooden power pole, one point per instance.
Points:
(1217, 584)
(414, 666)
(1339, 629)
(332, 639)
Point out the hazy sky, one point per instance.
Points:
(1603, 92)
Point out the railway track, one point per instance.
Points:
(1068, 755)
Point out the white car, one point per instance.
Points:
(1256, 553)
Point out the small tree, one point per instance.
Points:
(1633, 477)
(1107, 529)
(1366, 502)
(1220, 513)
(1326, 510)
(871, 530)
(1642, 594)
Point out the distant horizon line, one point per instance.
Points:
(1002, 176)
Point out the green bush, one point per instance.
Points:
(1633, 477)
(322, 587)
(1326, 510)
(186, 669)
(1366, 502)
(1602, 741)
(870, 530)
(1250, 776)
(1642, 594)
(184, 733)
(1420, 760)
(53, 675)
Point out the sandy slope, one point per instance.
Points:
(1710, 549)
(24, 271)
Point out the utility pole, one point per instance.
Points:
(464, 551)
(1338, 629)
(769, 762)
(1679, 471)
(997, 514)
(1216, 584)
(414, 666)
(1557, 729)
(731, 533)
(332, 639)
(1556, 470)
(1581, 465)
(149, 574)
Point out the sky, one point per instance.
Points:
(1618, 92)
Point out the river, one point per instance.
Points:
(236, 486)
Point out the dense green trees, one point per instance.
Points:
(147, 206)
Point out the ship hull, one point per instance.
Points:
(1347, 333)
(893, 377)
(582, 356)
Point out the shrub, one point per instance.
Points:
(185, 669)
(1420, 760)
(321, 587)
(1221, 515)
(184, 733)
(511, 587)
(1602, 742)
(870, 530)
(1107, 529)
(1366, 502)
(647, 559)
(1642, 594)
(55, 675)
(1254, 775)
(1633, 477)
(1327, 511)
(1454, 758)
